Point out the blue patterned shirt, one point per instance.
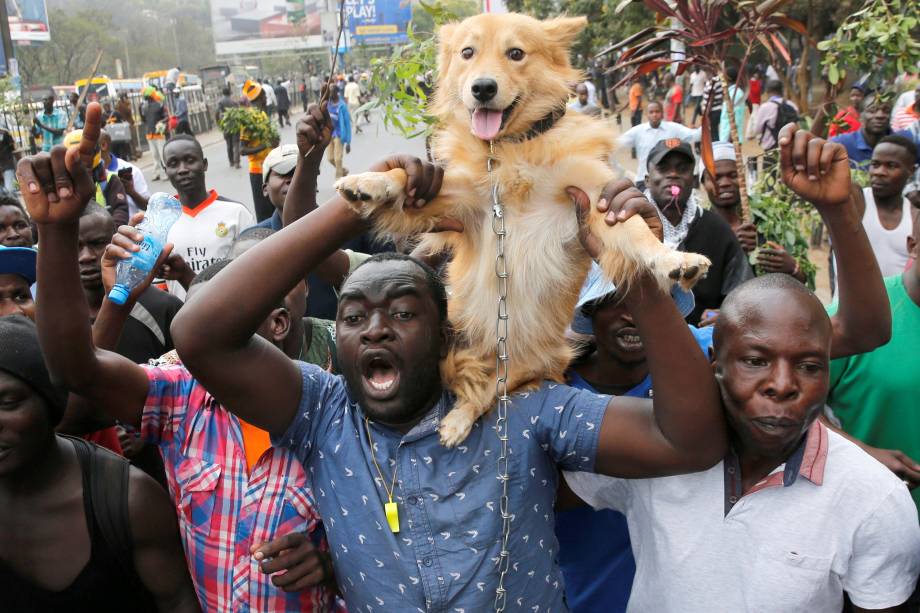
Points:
(445, 556)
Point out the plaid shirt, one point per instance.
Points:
(223, 508)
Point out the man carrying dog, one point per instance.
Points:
(411, 523)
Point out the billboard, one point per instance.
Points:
(255, 26)
(28, 21)
(377, 22)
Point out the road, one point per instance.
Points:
(372, 144)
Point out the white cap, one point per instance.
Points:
(281, 159)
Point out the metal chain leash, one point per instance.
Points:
(501, 381)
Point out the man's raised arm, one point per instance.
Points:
(56, 187)
(684, 430)
(819, 172)
(244, 372)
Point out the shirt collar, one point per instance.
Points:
(426, 426)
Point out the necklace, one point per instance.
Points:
(389, 508)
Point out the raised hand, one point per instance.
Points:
(815, 169)
(314, 133)
(124, 244)
(747, 236)
(56, 186)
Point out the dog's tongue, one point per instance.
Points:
(486, 123)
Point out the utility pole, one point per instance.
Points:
(7, 38)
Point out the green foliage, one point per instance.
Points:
(255, 123)
(881, 38)
(783, 218)
(403, 80)
(138, 32)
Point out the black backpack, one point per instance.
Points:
(785, 114)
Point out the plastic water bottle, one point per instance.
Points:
(162, 212)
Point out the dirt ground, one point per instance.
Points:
(818, 256)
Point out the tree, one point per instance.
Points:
(715, 34)
(70, 54)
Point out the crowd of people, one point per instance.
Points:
(221, 441)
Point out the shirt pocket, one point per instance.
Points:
(787, 579)
(298, 514)
(198, 480)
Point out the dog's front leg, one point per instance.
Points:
(381, 196)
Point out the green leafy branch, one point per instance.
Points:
(880, 39)
(783, 218)
(254, 122)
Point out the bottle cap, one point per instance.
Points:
(119, 294)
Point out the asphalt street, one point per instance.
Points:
(373, 143)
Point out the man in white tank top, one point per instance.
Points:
(887, 217)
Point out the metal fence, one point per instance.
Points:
(18, 117)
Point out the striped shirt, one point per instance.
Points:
(224, 509)
(713, 89)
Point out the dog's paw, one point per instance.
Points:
(369, 190)
(679, 267)
(456, 426)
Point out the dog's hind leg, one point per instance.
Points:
(472, 380)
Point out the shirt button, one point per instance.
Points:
(731, 470)
(427, 561)
(413, 500)
(733, 499)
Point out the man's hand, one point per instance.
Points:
(56, 186)
(347, 147)
(747, 236)
(125, 243)
(297, 561)
(314, 133)
(708, 318)
(774, 258)
(175, 268)
(898, 462)
(424, 181)
(815, 169)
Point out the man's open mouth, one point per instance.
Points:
(486, 123)
(380, 375)
(628, 339)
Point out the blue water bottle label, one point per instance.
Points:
(146, 258)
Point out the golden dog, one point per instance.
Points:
(504, 81)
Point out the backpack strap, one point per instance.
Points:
(141, 314)
(108, 490)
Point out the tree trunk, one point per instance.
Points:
(739, 162)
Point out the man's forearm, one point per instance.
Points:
(687, 404)
(301, 196)
(62, 314)
(863, 320)
(139, 199)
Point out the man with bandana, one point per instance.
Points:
(689, 227)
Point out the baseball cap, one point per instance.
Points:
(666, 146)
(597, 287)
(18, 261)
(281, 159)
(251, 89)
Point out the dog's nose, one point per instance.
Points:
(484, 89)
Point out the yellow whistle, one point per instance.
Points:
(392, 515)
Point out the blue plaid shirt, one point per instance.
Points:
(445, 556)
(57, 120)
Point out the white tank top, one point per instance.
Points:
(890, 246)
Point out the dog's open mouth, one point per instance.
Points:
(381, 376)
(487, 123)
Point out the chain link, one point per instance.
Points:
(501, 380)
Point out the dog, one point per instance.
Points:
(504, 81)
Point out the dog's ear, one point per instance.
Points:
(445, 33)
(564, 30)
